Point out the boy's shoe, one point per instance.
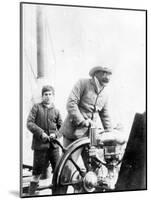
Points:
(32, 188)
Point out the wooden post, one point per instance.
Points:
(40, 43)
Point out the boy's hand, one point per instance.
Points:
(44, 137)
(52, 136)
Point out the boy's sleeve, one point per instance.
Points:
(31, 122)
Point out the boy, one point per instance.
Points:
(44, 121)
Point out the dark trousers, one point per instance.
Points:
(42, 159)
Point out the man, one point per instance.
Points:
(44, 121)
(87, 102)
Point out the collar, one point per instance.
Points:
(48, 106)
(97, 84)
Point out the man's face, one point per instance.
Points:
(103, 77)
(48, 97)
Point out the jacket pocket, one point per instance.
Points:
(37, 144)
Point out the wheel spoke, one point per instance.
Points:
(77, 167)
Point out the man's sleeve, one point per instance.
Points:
(59, 121)
(31, 122)
(73, 102)
(105, 117)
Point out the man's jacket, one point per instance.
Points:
(42, 119)
(80, 106)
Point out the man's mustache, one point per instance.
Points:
(105, 80)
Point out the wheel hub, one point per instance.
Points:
(90, 181)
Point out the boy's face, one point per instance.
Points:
(48, 97)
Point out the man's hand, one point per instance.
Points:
(44, 137)
(93, 151)
(86, 123)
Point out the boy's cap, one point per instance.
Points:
(47, 88)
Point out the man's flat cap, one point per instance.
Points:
(99, 68)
